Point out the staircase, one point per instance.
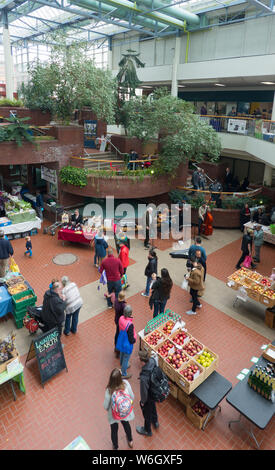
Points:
(99, 161)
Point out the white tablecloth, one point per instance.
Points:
(22, 226)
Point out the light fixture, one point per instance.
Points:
(219, 84)
(268, 83)
(181, 86)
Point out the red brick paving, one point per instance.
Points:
(71, 404)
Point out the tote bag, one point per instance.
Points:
(123, 343)
(247, 261)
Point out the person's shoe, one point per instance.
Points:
(130, 444)
(190, 312)
(110, 306)
(199, 306)
(115, 448)
(66, 334)
(128, 376)
(253, 266)
(129, 365)
(238, 267)
(141, 430)
(73, 332)
(144, 295)
(156, 425)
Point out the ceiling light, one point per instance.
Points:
(181, 86)
(268, 83)
(219, 84)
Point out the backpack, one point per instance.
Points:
(122, 405)
(159, 385)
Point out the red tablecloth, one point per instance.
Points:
(71, 236)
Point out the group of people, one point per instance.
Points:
(199, 179)
(251, 236)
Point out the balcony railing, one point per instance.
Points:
(258, 128)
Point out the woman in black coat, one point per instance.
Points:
(161, 290)
(152, 267)
(246, 249)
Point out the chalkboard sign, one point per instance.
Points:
(49, 353)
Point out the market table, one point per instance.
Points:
(211, 392)
(16, 376)
(6, 305)
(250, 404)
(22, 227)
(268, 236)
(71, 236)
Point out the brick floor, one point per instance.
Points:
(71, 403)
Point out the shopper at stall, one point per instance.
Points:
(124, 255)
(125, 323)
(195, 281)
(114, 272)
(245, 216)
(74, 303)
(152, 267)
(161, 290)
(257, 215)
(258, 242)
(53, 309)
(39, 205)
(100, 246)
(28, 247)
(201, 261)
(147, 404)
(119, 305)
(118, 402)
(246, 248)
(6, 251)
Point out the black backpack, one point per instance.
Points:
(159, 385)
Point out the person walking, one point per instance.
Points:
(39, 205)
(147, 404)
(258, 242)
(119, 304)
(124, 255)
(118, 402)
(100, 249)
(246, 248)
(161, 290)
(52, 314)
(147, 222)
(125, 323)
(74, 303)
(6, 251)
(28, 247)
(114, 272)
(201, 213)
(196, 284)
(202, 262)
(197, 246)
(152, 267)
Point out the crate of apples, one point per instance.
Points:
(180, 338)
(190, 372)
(168, 327)
(193, 347)
(200, 408)
(177, 359)
(205, 359)
(265, 282)
(165, 348)
(270, 294)
(154, 338)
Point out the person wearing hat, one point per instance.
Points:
(6, 251)
(147, 404)
(126, 323)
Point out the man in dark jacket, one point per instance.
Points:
(147, 404)
(246, 248)
(6, 251)
(152, 267)
(53, 309)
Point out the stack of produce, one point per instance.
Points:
(258, 287)
(21, 302)
(7, 351)
(18, 210)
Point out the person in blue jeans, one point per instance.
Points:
(74, 302)
(114, 272)
(152, 267)
(28, 247)
(126, 323)
(161, 290)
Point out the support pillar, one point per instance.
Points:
(273, 109)
(268, 175)
(174, 84)
(9, 72)
(110, 54)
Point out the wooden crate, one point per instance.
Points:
(270, 318)
(267, 301)
(150, 346)
(253, 294)
(164, 325)
(161, 359)
(197, 421)
(3, 366)
(171, 337)
(208, 370)
(184, 384)
(173, 389)
(199, 342)
(266, 355)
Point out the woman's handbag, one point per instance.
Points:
(247, 261)
(123, 344)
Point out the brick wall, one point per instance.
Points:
(38, 118)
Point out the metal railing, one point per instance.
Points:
(119, 166)
(258, 128)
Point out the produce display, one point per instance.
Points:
(165, 348)
(177, 359)
(23, 298)
(167, 329)
(270, 293)
(205, 359)
(12, 281)
(258, 287)
(180, 338)
(190, 372)
(7, 346)
(16, 209)
(193, 347)
(200, 408)
(19, 287)
(265, 282)
(154, 338)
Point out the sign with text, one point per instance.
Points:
(49, 175)
(49, 354)
(237, 125)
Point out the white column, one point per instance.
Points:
(268, 175)
(174, 84)
(9, 72)
(273, 109)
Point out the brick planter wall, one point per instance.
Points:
(38, 118)
(222, 218)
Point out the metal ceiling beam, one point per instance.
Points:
(261, 5)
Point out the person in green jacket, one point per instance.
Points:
(258, 242)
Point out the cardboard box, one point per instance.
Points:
(197, 420)
(270, 318)
(3, 365)
(208, 370)
(185, 384)
(173, 390)
(184, 398)
(150, 346)
(269, 353)
(161, 359)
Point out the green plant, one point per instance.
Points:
(18, 130)
(14, 103)
(73, 175)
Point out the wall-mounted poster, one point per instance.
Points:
(90, 131)
(237, 126)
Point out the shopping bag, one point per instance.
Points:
(14, 268)
(247, 261)
(124, 282)
(102, 280)
(184, 284)
(123, 343)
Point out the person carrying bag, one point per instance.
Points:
(126, 339)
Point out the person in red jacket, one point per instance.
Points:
(114, 272)
(124, 255)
